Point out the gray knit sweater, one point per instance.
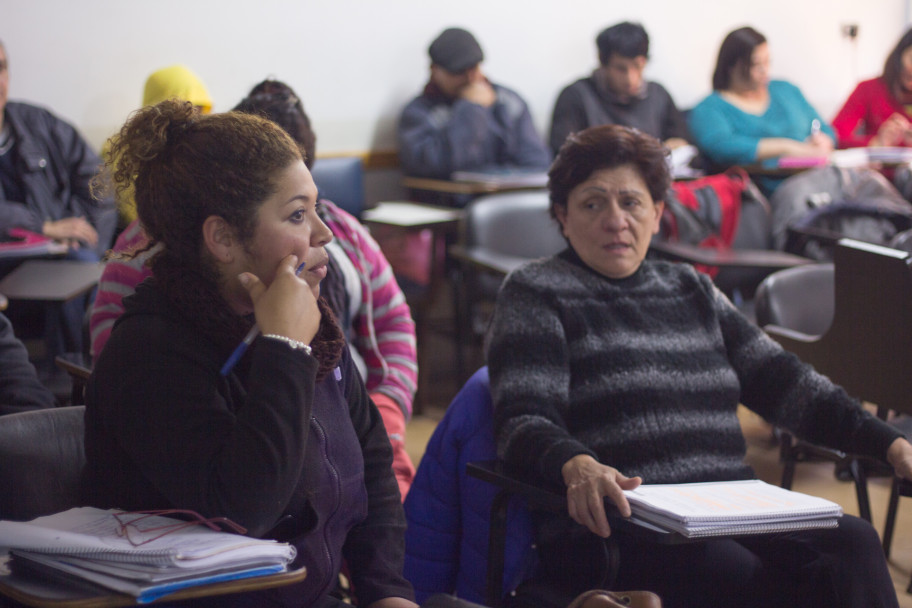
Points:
(645, 374)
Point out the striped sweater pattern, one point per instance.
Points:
(645, 374)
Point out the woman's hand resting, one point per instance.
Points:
(899, 455)
(588, 483)
(287, 307)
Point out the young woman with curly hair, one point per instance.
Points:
(286, 442)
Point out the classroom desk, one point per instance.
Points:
(737, 258)
(415, 217)
(470, 187)
(411, 217)
(52, 594)
(51, 280)
(54, 282)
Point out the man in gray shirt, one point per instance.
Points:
(617, 93)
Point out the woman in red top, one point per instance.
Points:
(879, 111)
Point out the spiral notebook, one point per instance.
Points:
(730, 508)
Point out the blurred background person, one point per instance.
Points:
(749, 118)
(616, 93)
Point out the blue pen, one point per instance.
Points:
(247, 341)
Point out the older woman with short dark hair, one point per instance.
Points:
(608, 370)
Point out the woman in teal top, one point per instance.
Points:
(750, 119)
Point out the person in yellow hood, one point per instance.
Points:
(176, 81)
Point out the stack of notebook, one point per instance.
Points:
(89, 544)
(730, 508)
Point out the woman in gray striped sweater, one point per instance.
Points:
(608, 370)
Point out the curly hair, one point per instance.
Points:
(275, 100)
(184, 167)
(606, 147)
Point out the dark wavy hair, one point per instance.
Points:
(185, 167)
(735, 53)
(892, 72)
(275, 100)
(606, 147)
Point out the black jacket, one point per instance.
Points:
(266, 446)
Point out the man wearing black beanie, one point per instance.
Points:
(462, 121)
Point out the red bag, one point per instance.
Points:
(705, 211)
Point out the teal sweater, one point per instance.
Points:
(645, 374)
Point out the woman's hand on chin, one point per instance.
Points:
(287, 307)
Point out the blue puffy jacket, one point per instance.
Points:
(446, 543)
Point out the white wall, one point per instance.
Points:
(356, 62)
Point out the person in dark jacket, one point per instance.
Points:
(616, 93)
(464, 122)
(286, 441)
(20, 389)
(45, 171)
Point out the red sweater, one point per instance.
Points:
(868, 107)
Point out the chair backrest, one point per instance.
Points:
(513, 223)
(867, 347)
(41, 461)
(800, 298)
(341, 180)
(448, 512)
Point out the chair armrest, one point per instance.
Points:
(75, 365)
(777, 331)
(486, 259)
(540, 497)
(735, 258)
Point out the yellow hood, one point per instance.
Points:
(177, 81)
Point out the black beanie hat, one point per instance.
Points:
(455, 50)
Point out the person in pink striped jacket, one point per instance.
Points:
(360, 288)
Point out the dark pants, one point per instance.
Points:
(844, 566)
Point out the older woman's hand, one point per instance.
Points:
(588, 483)
(900, 458)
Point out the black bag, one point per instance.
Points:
(815, 208)
(815, 234)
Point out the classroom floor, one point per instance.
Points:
(439, 383)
